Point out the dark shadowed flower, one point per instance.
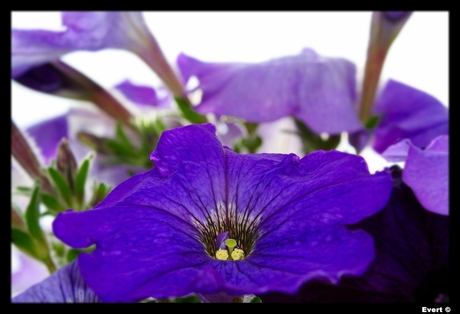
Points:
(426, 171)
(412, 257)
(208, 220)
(64, 286)
(405, 113)
(319, 91)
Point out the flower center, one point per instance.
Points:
(227, 234)
(223, 251)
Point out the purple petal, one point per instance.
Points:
(65, 286)
(85, 31)
(408, 113)
(427, 173)
(397, 152)
(48, 134)
(142, 95)
(154, 233)
(320, 91)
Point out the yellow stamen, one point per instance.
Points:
(237, 254)
(222, 255)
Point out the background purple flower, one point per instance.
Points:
(405, 113)
(319, 91)
(408, 113)
(155, 233)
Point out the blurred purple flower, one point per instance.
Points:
(319, 91)
(156, 233)
(426, 171)
(405, 113)
(90, 31)
(64, 286)
(26, 271)
(143, 95)
(48, 133)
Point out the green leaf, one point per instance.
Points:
(372, 122)
(252, 143)
(332, 142)
(80, 181)
(58, 248)
(32, 216)
(72, 254)
(188, 113)
(99, 193)
(51, 202)
(256, 300)
(62, 185)
(121, 135)
(23, 241)
(189, 299)
(120, 148)
(24, 190)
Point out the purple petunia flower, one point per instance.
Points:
(319, 91)
(157, 233)
(426, 171)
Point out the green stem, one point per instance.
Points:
(102, 98)
(50, 265)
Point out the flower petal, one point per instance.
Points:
(320, 91)
(408, 113)
(427, 173)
